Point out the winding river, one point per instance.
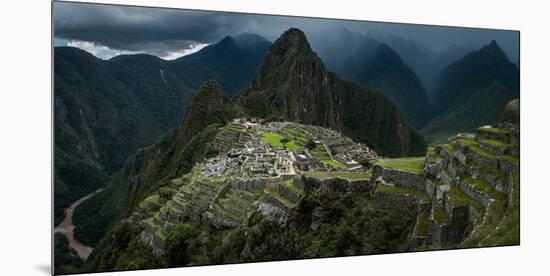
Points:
(66, 227)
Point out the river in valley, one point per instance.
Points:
(66, 227)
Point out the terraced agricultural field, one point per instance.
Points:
(409, 164)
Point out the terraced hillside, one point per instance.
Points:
(467, 195)
(259, 199)
(258, 168)
(462, 194)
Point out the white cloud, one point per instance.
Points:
(105, 52)
(177, 54)
(97, 50)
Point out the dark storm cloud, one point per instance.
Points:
(138, 29)
(160, 31)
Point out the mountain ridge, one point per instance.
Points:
(474, 92)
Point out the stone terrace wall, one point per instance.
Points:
(400, 178)
(274, 210)
(408, 204)
(352, 186)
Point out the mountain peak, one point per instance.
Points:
(290, 57)
(493, 50)
(292, 38)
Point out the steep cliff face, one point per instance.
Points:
(293, 84)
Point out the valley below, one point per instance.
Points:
(66, 227)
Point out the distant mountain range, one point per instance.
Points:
(473, 91)
(368, 61)
(231, 62)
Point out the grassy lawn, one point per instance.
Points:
(493, 130)
(409, 164)
(334, 164)
(347, 175)
(275, 140)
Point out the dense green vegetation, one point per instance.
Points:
(66, 261)
(121, 250)
(349, 228)
(73, 180)
(121, 105)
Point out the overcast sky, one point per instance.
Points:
(106, 30)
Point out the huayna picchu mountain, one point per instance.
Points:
(292, 84)
(473, 91)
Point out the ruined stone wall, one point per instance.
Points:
(400, 178)
(393, 201)
(255, 184)
(352, 186)
(275, 211)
